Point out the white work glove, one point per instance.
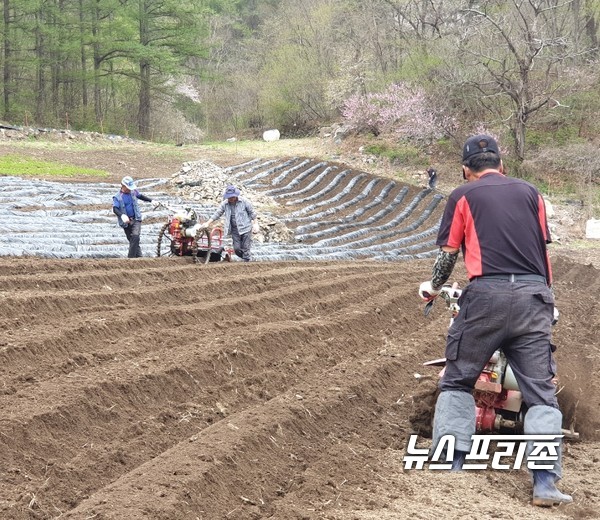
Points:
(255, 228)
(125, 219)
(427, 292)
(555, 316)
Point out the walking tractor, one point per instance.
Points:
(499, 406)
(185, 235)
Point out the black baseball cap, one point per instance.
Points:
(477, 144)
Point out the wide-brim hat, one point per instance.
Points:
(231, 191)
(129, 183)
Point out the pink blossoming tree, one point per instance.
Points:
(400, 108)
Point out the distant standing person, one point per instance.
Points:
(239, 221)
(129, 215)
(432, 174)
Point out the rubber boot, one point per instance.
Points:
(545, 493)
(458, 460)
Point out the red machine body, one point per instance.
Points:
(180, 244)
(498, 402)
(184, 235)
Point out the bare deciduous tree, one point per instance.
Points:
(522, 48)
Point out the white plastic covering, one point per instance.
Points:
(337, 214)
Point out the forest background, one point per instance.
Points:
(404, 74)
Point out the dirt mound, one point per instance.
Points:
(159, 389)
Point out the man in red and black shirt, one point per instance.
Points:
(500, 225)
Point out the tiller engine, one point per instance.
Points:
(498, 401)
(185, 235)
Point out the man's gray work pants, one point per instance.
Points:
(242, 244)
(132, 232)
(515, 317)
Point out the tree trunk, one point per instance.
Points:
(519, 136)
(144, 94)
(97, 62)
(6, 70)
(591, 26)
(40, 77)
(84, 94)
(53, 44)
(144, 100)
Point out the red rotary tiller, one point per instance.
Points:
(184, 235)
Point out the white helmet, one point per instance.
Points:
(128, 182)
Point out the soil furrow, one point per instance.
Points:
(23, 347)
(68, 416)
(285, 436)
(364, 312)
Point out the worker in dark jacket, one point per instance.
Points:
(129, 215)
(239, 221)
(500, 225)
(432, 175)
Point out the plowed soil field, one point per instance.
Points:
(158, 388)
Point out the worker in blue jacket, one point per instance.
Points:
(129, 215)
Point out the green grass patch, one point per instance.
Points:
(403, 154)
(541, 184)
(558, 136)
(17, 165)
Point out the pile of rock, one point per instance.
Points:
(204, 182)
(201, 181)
(273, 230)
